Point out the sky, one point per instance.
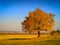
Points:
(13, 12)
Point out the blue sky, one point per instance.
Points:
(13, 12)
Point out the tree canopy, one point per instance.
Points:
(38, 20)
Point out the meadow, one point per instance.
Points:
(30, 39)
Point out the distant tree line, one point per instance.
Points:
(57, 31)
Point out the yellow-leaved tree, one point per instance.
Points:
(38, 20)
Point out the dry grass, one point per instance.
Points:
(30, 39)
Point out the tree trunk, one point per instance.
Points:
(52, 33)
(38, 33)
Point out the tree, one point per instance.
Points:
(58, 31)
(38, 20)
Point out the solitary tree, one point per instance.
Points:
(38, 20)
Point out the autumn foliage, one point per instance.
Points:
(38, 20)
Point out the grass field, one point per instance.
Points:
(30, 39)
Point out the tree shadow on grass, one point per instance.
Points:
(19, 39)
